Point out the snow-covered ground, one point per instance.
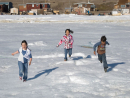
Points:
(82, 76)
(63, 19)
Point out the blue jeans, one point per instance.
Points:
(23, 70)
(66, 51)
(102, 57)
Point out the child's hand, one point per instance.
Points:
(57, 46)
(94, 53)
(29, 63)
(13, 54)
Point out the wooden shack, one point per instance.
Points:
(14, 11)
(22, 8)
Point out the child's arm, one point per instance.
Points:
(97, 44)
(107, 43)
(15, 53)
(61, 41)
(30, 59)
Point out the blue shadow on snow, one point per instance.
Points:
(89, 56)
(113, 65)
(80, 57)
(48, 71)
(77, 58)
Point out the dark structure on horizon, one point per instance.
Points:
(5, 6)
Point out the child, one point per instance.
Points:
(25, 54)
(68, 39)
(101, 51)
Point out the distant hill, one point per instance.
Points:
(62, 4)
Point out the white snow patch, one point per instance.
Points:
(78, 80)
(79, 63)
(115, 69)
(38, 43)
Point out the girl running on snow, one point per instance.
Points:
(24, 56)
(68, 40)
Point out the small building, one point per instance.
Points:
(37, 11)
(14, 11)
(85, 5)
(22, 8)
(116, 13)
(121, 4)
(83, 8)
(125, 11)
(30, 6)
(5, 6)
(46, 5)
(33, 6)
(128, 6)
(68, 10)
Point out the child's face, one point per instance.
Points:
(24, 46)
(67, 32)
(103, 42)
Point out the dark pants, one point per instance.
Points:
(23, 70)
(102, 57)
(66, 51)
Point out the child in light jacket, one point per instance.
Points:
(24, 56)
(68, 40)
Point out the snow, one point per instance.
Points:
(63, 19)
(82, 76)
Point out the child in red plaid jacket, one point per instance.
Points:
(68, 40)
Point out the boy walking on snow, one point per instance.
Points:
(101, 51)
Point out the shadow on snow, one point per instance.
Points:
(47, 71)
(80, 57)
(113, 65)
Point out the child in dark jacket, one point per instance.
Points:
(101, 50)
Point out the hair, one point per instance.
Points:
(69, 31)
(103, 38)
(24, 41)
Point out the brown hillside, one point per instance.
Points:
(62, 4)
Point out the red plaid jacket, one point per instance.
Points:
(68, 41)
